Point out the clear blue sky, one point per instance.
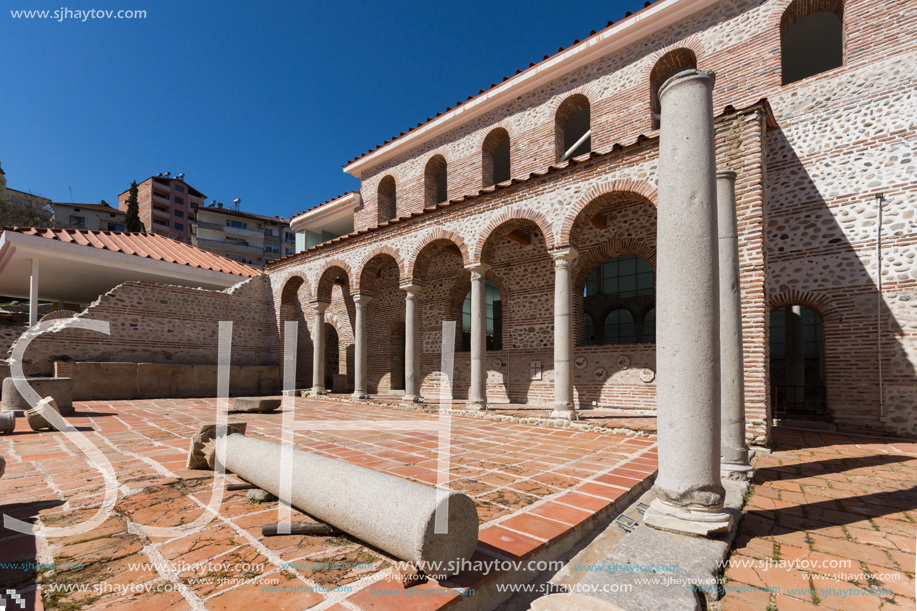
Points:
(264, 101)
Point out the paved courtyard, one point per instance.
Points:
(533, 486)
(831, 524)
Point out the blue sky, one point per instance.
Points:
(264, 101)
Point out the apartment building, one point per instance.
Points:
(101, 216)
(167, 205)
(248, 238)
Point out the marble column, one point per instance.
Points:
(734, 463)
(411, 345)
(359, 361)
(33, 294)
(318, 350)
(689, 492)
(563, 333)
(478, 394)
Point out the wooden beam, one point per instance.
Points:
(520, 236)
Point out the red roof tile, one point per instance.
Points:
(146, 245)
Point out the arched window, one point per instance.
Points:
(494, 331)
(797, 362)
(386, 202)
(434, 177)
(649, 327)
(620, 328)
(495, 164)
(667, 66)
(614, 290)
(811, 38)
(572, 127)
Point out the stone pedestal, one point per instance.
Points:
(359, 362)
(387, 512)
(563, 333)
(734, 463)
(411, 345)
(478, 394)
(61, 389)
(7, 422)
(318, 350)
(688, 488)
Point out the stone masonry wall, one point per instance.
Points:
(154, 323)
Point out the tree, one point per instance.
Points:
(132, 221)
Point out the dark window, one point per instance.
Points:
(237, 224)
(179, 214)
(495, 162)
(180, 200)
(494, 307)
(179, 227)
(619, 303)
(620, 328)
(386, 202)
(812, 39)
(115, 227)
(572, 124)
(435, 186)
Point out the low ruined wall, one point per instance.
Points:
(96, 380)
(161, 324)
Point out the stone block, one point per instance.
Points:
(155, 381)
(271, 380)
(104, 380)
(36, 421)
(61, 389)
(204, 380)
(245, 380)
(7, 422)
(258, 405)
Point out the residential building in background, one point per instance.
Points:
(327, 221)
(167, 205)
(248, 238)
(101, 216)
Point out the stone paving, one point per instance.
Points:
(831, 524)
(533, 486)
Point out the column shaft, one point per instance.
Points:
(359, 361)
(689, 493)
(411, 345)
(563, 334)
(33, 294)
(734, 453)
(478, 394)
(318, 350)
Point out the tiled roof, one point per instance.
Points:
(531, 65)
(240, 214)
(99, 207)
(615, 149)
(146, 245)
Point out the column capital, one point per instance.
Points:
(320, 306)
(567, 255)
(725, 174)
(362, 299)
(410, 289)
(478, 268)
(707, 77)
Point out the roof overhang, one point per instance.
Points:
(76, 273)
(637, 26)
(335, 210)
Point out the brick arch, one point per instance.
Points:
(374, 261)
(420, 256)
(331, 271)
(613, 247)
(597, 198)
(509, 220)
(818, 303)
(591, 90)
(788, 12)
(298, 280)
(663, 67)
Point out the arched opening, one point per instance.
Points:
(379, 280)
(649, 327)
(332, 358)
(620, 293)
(572, 127)
(797, 363)
(292, 300)
(494, 333)
(396, 352)
(495, 163)
(811, 38)
(386, 202)
(668, 65)
(435, 185)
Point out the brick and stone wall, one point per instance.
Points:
(154, 323)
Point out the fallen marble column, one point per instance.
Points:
(2, 466)
(689, 492)
(36, 421)
(7, 422)
(734, 463)
(390, 513)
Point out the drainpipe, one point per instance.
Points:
(880, 199)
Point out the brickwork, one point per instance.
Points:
(153, 323)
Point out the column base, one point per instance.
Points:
(742, 473)
(564, 414)
(412, 399)
(356, 396)
(664, 516)
(476, 405)
(318, 391)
